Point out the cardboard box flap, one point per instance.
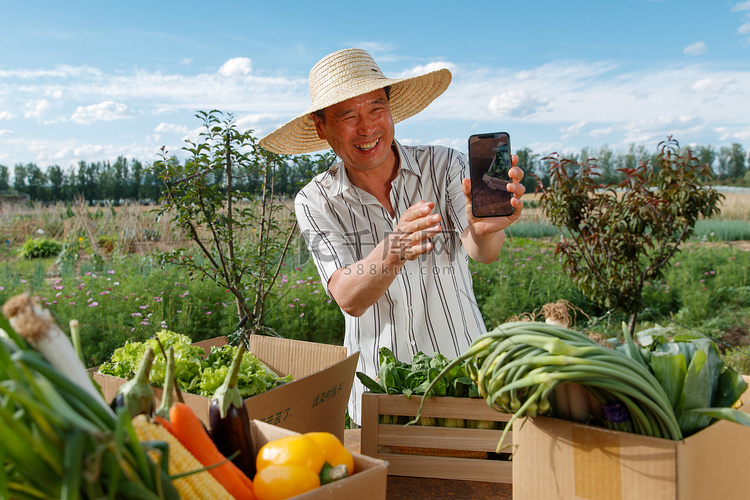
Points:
(295, 357)
(325, 392)
(285, 356)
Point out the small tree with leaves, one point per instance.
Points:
(244, 236)
(622, 235)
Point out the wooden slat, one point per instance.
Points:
(381, 440)
(494, 471)
(474, 408)
(440, 437)
(369, 440)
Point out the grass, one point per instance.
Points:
(706, 289)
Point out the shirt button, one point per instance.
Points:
(413, 343)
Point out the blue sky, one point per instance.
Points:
(91, 81)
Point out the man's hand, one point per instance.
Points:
(484, 237)
(411, 238)
(487, 225)
(358, 286)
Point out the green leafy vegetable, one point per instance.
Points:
(195, 372)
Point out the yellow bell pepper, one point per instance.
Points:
(335, 452)
(292, 465)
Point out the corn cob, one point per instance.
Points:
(201, 485)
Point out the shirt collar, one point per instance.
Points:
(339, 180)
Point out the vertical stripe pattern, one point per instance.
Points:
(430, 306)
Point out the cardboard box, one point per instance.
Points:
(555, 458)
(367, 483)
(315, 400)
(436, 452)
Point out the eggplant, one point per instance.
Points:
(136, 394)
(228, 420)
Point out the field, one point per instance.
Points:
(126, 295)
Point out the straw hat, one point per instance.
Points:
(345, 74)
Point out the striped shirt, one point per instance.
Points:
(430, 306)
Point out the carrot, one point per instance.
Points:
(188, 429)
(163, 422)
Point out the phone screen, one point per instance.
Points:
(489, 163)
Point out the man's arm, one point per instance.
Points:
(483, 238)
(358, 286)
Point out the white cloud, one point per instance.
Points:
(374, 48)
(239, 66)
(516, 103)
(601, 132)
(572, 130)
(252, 120)
(744, 29)
(61, 71)
(741, 6)
(5, 131)
(36, 108)
(170, 128)
(695, 49)
(710, 85)
(105, 111)
(6, 115)
(427, 68)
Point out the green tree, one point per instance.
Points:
(528, 162)
(19, 178)
(248, 233)
(120, 177)
(37, 182)
(4, 178)
(736, 166)
(56, 177)
(706, 155)
(136, 179)
(623, 236)
(607, 161)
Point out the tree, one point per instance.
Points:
(19, 178)
(56, 177)
(736, 163)
(136, 178)
(244, 236)
(4, 178)
(37, 181)
(623, 236)
(120, 176)
(706, 155)
(528, 162)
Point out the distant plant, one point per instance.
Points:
(40, 248)
(622, 235)
(107, 243)
(68, 256)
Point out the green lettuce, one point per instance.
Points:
(195, 372)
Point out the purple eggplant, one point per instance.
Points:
(228, 420)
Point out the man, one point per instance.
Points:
(389, 227)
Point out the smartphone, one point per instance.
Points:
(489, 163)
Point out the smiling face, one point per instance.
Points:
(360, 131)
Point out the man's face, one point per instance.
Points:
(360, 131)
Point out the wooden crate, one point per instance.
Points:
(379, 440)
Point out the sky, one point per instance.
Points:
(92, 81)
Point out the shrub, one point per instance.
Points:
(624, 235)
(40, 248)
